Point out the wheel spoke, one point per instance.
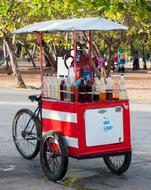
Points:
(57, 163)
(32, 128)
(118, 164)
(116, 161)
(30, 142)
(53, 156)
(50, 160)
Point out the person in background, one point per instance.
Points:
(136, 61)
(101, 62)
(114, 61)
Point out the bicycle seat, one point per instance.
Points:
(34, 98)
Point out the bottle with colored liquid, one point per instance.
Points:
(102, 95)
(116, 89)
(89, 95)
(123, 91)
(109, 89)
(73, 91)
(82, 91)
(62, 89)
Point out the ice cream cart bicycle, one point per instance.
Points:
(61, 128)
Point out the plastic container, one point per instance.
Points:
(109, 89)
(82, 91)
(116, 89)
(102, 95)
(123, 91)
(96, 89)
(62, 89)
(89, 94)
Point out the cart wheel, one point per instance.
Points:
(54, 156)
(118, 164)
(26, 133)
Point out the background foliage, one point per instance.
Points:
(135, 14)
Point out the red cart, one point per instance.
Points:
(79, 130)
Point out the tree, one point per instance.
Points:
(135, 14)
(9, 11)
(137, 17)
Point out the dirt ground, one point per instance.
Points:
(138, 84)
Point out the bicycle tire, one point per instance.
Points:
(33, 134)
(54, 146)
(118, 168)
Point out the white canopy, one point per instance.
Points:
(70, 25)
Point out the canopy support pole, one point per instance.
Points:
(90, 53)
(90, 48)
(41, 55)
(75, 62)
(75, 52)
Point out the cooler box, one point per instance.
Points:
(89, 129)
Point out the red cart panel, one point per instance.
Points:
(89, 129)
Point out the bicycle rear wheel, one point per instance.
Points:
(26, 133)
(118, 164)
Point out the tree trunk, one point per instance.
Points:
(109, 57)
(50, 61)
(143, 57)
(30, 57)
(132, 49)
(8, 67)
(13, 61)
(23, 44)
(150, 55)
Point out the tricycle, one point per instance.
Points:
(69, 122)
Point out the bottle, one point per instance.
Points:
(55, 87)
(73, 90)
(67, 94)
(102, 95)
(89, 91)
(116, 89)
(53, 90)
(58, 90)
(109, 89)
(123, 91)
(44, 87)
(48, 86)
(82, 91)
(71, 75)
(62, 89)
(78, 58)
(96, 89)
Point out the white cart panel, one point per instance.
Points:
(104, 126)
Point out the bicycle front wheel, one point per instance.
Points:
(26, 133)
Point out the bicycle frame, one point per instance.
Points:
(37, 113)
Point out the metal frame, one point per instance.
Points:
(77, 130)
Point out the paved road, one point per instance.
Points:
(17, 173)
